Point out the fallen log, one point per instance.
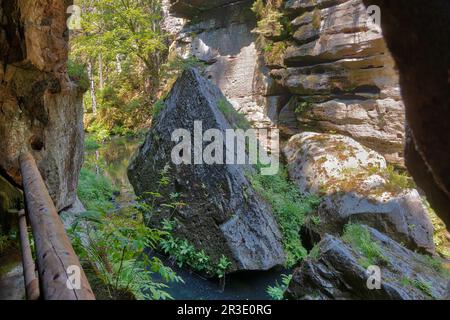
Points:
(60, 273)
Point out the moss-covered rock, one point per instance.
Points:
(357, 185)
(338, 269)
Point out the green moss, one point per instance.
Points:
(440, 233)
(317, 18)
(90, 143)
(290, 210)
(302, 108)
(157, 108)
(437, 265)
(358, 236)
(236, 119)
(314, 253)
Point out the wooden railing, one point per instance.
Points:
(60, 275)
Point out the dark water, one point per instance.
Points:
(112, 159)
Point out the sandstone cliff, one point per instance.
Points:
(331, 72)
(40, 108)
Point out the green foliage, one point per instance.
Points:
(112, 246)
(91, 143)
(236, 119)
(397, 181)
(277, 292)
(314, 253)
(272, 22)
(274, 53)
(437, 265)
(358, 236)
(157, 108)
(124, 41)
(77, 72)
(222, 267)
(186, 254)
(423, 286)
(290, 210)
(95, 191)
(440, 233)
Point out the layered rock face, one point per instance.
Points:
(223, 214)
(419, 42)
(338, 67)
(219, 34)
(334, 68)
(41, 109)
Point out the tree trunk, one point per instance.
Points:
(118, 64)
(92, 82)
(100, 71)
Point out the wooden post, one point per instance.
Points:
(58, 265)
(29, 268)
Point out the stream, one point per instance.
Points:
(111, 160)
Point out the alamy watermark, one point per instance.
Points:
(74, 21)
(253, 146)
(374, 278)
(73, 277)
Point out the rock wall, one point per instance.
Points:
(40, 108)
(219, 33)
(338, 67)
(418, 38)
(333, 73)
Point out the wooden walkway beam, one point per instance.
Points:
(29, 268)
(60, 271)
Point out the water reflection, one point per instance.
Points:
(112, 160)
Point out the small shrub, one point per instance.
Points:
(358, 236)
(290, 210)
(277, 292)
(396, 181)
(272, 23)
(186, 254)
(112, 247)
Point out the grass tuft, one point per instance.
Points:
(358, 236)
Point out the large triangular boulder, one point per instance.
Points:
(223, 214)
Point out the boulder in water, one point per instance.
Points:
(223, 213)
